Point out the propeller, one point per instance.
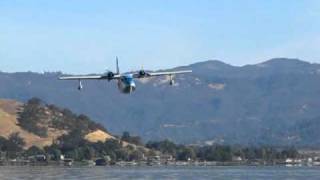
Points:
(109, 74)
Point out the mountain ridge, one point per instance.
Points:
(248, 104)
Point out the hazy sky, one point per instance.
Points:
(82, 36)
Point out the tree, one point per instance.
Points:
(135, 155)
(3, 142)
(53, 151)
(14, 145)
(33, 150)
(166, 146)
(125, 136)
(131, 139)
(16, 140)
(88, 152)
(35, 101)
(223, 153)
(31, 116)
(185, 153)
(289, 153)
(71, 141)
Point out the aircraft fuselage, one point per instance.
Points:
(126, 84)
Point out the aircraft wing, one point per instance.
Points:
(164, 73)
(89, 77)
(168, 73)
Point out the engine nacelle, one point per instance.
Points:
(142, 73)
(110, 75)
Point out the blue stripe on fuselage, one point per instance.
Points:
(128, 80)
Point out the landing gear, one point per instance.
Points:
(80, 87)
(171, 80)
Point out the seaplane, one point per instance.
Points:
(125, 81)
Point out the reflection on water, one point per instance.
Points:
(28, 172)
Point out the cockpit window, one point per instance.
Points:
(128, 79)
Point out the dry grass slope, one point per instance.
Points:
(8, 125)
(97, 136)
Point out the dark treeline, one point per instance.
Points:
(74, 146)
(222, 153)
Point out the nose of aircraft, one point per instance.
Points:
(132, 87)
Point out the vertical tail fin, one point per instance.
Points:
(117, 61)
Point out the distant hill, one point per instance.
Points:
(44, 124)
(274, 102)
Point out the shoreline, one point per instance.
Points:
(146, 164)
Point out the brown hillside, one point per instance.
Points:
(9, 124)
(98, 136)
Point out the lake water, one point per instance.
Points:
(281, 173)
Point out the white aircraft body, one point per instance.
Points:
(126, 82)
